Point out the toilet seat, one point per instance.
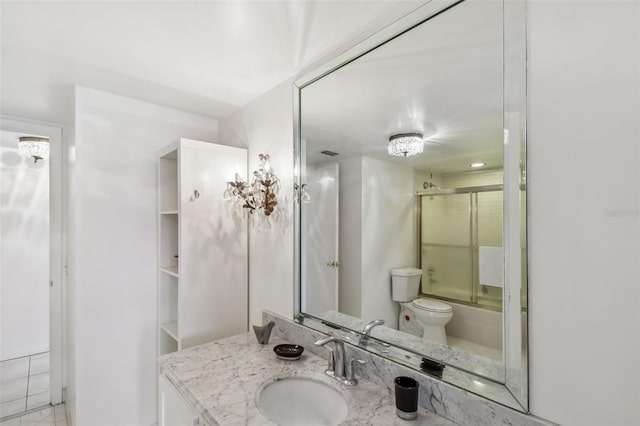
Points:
(431, 305)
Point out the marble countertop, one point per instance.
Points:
(221, 379)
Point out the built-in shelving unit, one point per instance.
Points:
(168, 223)
(202, 273)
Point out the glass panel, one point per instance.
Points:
(445, 220)
(523, 239)
(489, 235)
(446, 272)
(446, 256)
(490, 219)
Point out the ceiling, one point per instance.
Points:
(207, 57)
(443, 78)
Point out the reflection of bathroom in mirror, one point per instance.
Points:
(414, 239)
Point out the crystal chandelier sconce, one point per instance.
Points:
(261, 195)
(34, 147)
(302, 193)
(406, 144)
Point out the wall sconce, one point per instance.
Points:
(259, 196)
(302, 193)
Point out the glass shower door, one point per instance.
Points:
(461, 246)
(446, 255)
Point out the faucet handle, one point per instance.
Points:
(330, 371)
(351, 374)
(324, 341)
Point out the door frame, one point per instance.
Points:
(55, 133)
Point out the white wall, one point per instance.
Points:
(24, 252)
(388, 234)
(350, 245)
(69, 242)
(584, 94)
(112, 254)
(266, 126)
(377, 234)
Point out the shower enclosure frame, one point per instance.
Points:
(473, 192)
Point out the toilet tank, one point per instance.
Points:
(405, 284)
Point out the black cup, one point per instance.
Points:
(406, 397)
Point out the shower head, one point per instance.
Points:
(429, 185)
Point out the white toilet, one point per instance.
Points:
(419, 316)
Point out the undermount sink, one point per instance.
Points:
(298, 401)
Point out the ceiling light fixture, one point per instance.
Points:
(477, 165)
(34, 147)
(406, 144)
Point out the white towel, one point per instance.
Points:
(491, 266)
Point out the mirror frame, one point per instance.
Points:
(514, 393)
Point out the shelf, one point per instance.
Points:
(167, 344)
(167, 212)
(171, 328)
(171, 270)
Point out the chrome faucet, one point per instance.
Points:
(367, 331)
(338, 367)
(335, 367)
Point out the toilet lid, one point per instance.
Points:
(431, 305)
(406, 272)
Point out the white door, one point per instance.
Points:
(322, 262)
(33, 208)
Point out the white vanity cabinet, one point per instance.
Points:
(174, 410)
(202, 245)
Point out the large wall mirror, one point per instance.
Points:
(411, 214)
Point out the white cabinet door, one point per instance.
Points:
(174, 410)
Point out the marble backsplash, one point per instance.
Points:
(455, 404)
(468, 361)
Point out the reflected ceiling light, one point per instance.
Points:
(406, 144)
(34, 147)
(476, 165)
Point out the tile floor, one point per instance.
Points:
(24, 384)
(47, 416)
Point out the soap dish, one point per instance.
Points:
(432, 367)
(288, 352)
